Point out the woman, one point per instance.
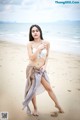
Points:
(36, 75)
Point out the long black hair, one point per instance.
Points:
(30, 32)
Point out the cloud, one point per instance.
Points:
(37, 11)
(4, 2)
(28, 2)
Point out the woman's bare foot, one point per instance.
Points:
(35, 113)
(59, 108)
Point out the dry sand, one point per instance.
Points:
(64, 74)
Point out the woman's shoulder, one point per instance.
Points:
(29, 43)
(46, 42)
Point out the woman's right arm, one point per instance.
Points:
(33, 56)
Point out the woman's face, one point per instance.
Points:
(35, 33)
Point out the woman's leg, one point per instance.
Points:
(51, 93)
(34, 105)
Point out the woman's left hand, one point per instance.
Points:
(43, 68)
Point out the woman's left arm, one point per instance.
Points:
(45, 64)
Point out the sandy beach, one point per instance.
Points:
(64, 74)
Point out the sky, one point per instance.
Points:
(26, 11)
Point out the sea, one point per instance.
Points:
(64, 36)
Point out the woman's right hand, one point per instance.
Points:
(41, 47)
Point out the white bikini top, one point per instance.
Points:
(43, 53)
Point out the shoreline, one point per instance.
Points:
(24, 45)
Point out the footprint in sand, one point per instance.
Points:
(54, 114)
(69, 90)
(53, 86)
(78, 89)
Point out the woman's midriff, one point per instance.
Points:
(38, 63)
